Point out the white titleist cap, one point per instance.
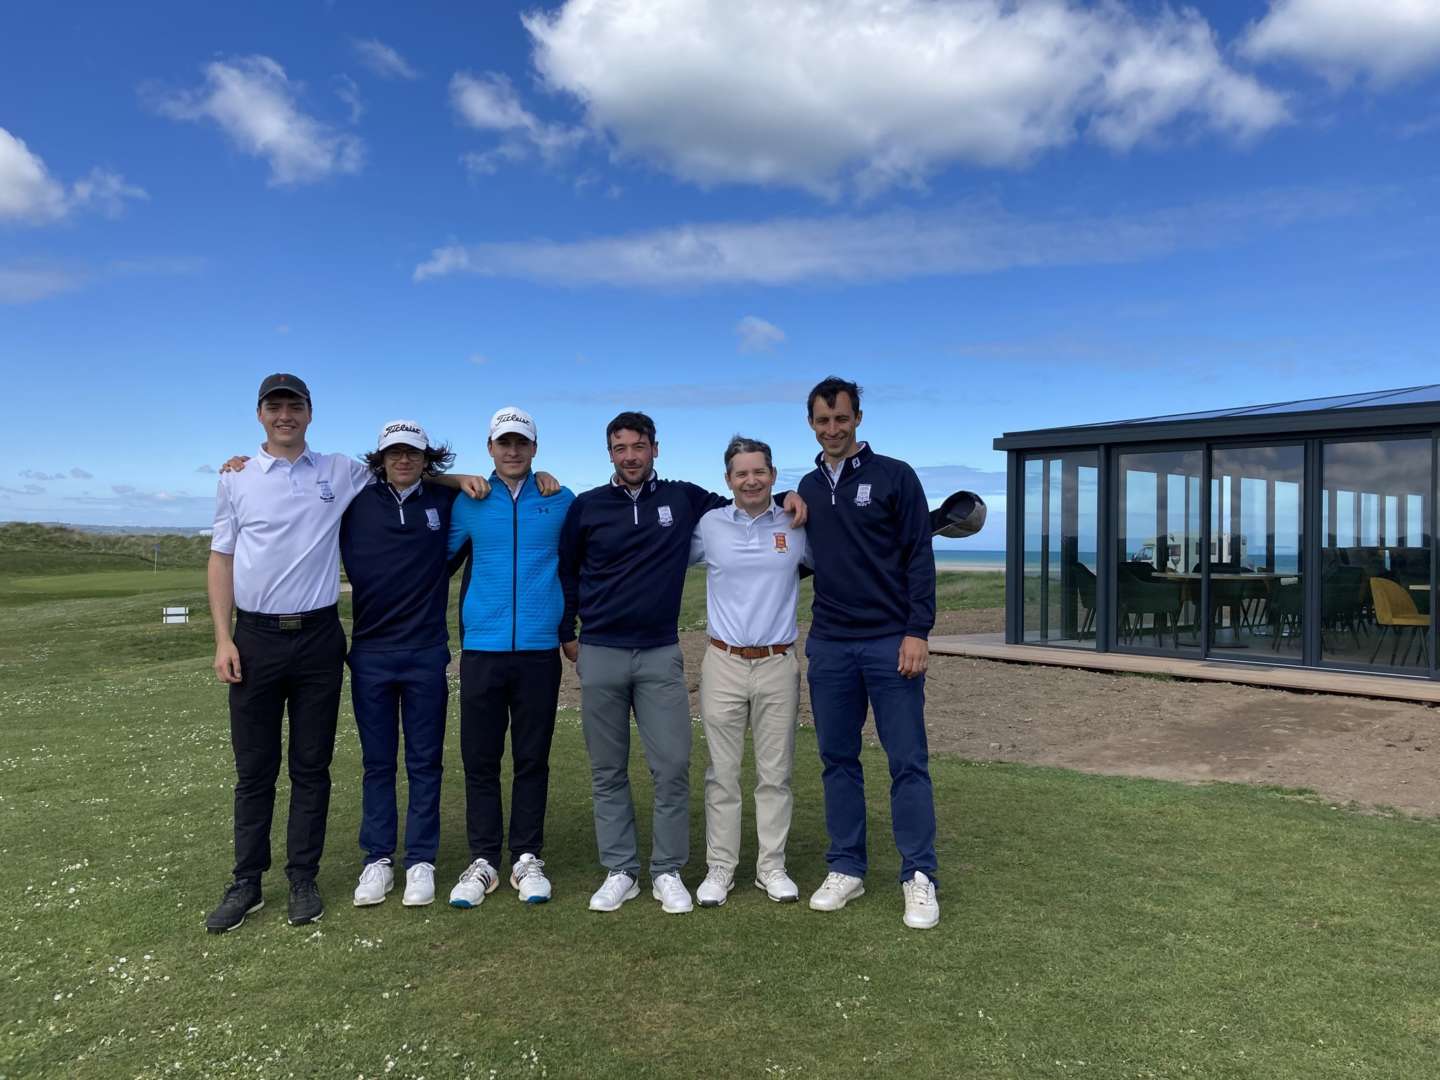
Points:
(403, 433)
(512, 419)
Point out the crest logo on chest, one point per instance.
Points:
(666, 518)
(782, 543)
(432, 518)
(327, 494)
(862, 495)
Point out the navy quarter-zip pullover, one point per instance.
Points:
(623, 559)
(869, 539)
(394, 553)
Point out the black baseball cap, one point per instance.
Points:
(290, 384)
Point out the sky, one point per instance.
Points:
(994, 216)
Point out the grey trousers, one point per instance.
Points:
(652, 683)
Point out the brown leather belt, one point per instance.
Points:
(752, 652)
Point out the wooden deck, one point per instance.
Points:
(1307, 680)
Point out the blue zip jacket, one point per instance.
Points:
(510, 599)
(869, 539)
(623, 561)
(394, 556)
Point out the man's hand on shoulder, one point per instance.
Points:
(795, 506)
(547, 484)
(914, 656)
(477, 487)
(235, 464)
(227, 662)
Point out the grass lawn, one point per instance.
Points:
(1092, 927)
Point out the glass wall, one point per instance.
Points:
(1061, 493)
(1375, 554)
(1256, 528)
(1157, 574)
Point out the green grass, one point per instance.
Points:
(1092, 926)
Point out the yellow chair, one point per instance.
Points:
(1395, 610)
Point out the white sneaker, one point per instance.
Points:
(836, 891)
(922, 909)
(671, 892)
(527, 877)
(715, 888)
(376, 881)
(778, 886)
(478, 879)
(419, 885)
(616, 889)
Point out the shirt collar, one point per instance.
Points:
(405, 494)
(616, 482)
(858, 457)
(267, 460)
(740, 517)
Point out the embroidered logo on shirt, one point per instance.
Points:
(666, 519)
(781, 540)
(432, 518)
(862, 495)
(326, 494)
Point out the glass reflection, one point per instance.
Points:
(1061, 493)
(1157, 574)
(1256, 582)
(1375, 556)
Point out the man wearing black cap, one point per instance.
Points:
(274, 567)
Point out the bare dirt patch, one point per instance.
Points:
(1371, 752)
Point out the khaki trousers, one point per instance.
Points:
(765, 695)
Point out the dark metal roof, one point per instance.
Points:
(1405, 407)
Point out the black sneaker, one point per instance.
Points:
(240, 899)
(305, 903)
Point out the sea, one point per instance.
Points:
(974, 559)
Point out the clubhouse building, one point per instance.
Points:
(1298, 533)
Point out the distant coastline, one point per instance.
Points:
(971, 562)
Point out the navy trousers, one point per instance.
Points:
(392, 690)
(844, 676)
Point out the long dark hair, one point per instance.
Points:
(437, 460)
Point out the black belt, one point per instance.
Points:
(301, 620)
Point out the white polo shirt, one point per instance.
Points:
(752, 578)
(281, 521)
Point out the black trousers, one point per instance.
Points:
(299, 670)
(519, 690)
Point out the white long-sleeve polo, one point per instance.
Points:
(281, 522)
(752, 574)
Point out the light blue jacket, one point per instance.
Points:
(510, 598)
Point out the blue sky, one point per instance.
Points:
(994, 216)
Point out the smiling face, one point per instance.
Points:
(751, 481)
(834, 426)
(512, 454)
(284, 417)
(633, 455)
(403, 465)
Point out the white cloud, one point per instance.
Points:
(24, 284)
(880, 92)
(488, 102)
(29, 195)
(81, 474)
(757, 335)
(383, 60)
(27, 282)
(348, 91)
(255, 104)
(1386, 40)
(478, 359)
(970, 239)
(442, 261)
